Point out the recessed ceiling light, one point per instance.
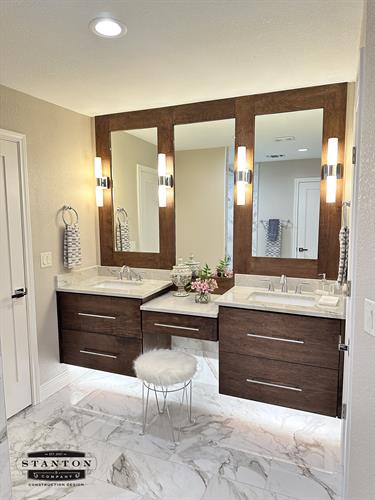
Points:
(302, 150)
(107, 27)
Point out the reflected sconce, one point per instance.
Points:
(101, 182)
(332, 170)
(165, 181)
(243, 175)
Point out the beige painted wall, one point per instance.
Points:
(127, 152)
(60, 165)
(200, 204)
(276, 196)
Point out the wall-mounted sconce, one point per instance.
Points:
(243, 175)
(165, 181)
(332, 170)
(101, 182)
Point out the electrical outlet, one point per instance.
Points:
(46, 259)
(370, 317)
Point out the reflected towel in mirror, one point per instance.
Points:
(273, 229)
(122, 232)
(273, 237)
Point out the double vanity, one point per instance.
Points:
(233, 184)
(277, 348)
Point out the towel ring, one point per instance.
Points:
(123, 212)
(67, 208)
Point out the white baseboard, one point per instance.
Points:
(61, 380)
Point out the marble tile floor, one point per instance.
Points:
(236, 449)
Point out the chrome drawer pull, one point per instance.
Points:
(177, 327)
(276, 338)
(83, 351)
(279, 386)
(96, 316)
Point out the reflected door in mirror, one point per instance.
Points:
(204, 188)
(286, 186)
(135, 190)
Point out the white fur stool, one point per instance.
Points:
(164, 371)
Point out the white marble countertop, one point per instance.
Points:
(168, 303)
(238, 296)
(114, 287)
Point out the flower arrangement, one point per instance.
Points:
(203, 287)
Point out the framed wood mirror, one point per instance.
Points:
(128, 144)
(286, 136)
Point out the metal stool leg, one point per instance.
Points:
(157, 401)
(165, 408)
(144, 410)
(191, 420)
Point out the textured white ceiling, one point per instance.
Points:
(175, 51)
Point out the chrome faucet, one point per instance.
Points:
(284, 283)
(129, 274)
(300, 285)
(270, 284)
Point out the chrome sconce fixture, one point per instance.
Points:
(332, 170)
(165, 180)
(243, 175)
(101, 182)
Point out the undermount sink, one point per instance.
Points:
(283, 299)
(119, 284)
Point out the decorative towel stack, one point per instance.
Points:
(342, 276)
(72, 246)
(273, 238)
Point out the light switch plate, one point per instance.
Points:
(370, 317)
(46, 259)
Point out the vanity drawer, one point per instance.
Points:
(287, 337)
(307, 388)
(181, 325)
(101, 352)
(99, 314)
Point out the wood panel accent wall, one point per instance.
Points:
(332, 98)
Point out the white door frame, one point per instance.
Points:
(351, 309)
(297, 182)
(20, 140)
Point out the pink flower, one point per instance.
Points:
(204, 286)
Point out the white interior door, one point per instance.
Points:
(13, 311)
(307, 206)
(148, 209)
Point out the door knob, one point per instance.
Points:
(301, 249)
(19, 292)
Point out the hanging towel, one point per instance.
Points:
(273, 238)
(72, 246)
(122, 235)
(273, 229)
(344, 255)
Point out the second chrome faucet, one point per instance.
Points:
(129, 274)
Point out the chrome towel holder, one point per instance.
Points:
(68, 208)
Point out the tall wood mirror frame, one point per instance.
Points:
(332, 98)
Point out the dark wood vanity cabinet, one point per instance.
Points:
(99, 332)
(181, 325)
(281, 359)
